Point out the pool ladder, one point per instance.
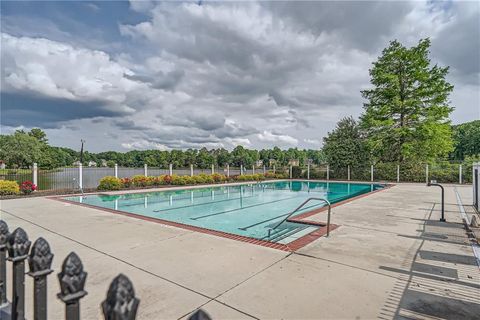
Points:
(300, 207)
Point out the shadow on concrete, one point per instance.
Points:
(448, 257)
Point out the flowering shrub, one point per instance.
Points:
(27, 187)
(167, 179)
(8, 187)
(126, 182)
(110, 183)
(140, 181)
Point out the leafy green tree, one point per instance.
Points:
(20, 150)
(466, 138)
(407, 110)
(39, 134)
(345, 145)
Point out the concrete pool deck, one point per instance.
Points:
(390, 258)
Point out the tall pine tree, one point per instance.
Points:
(407, 112)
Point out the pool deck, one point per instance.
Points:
(390, 258)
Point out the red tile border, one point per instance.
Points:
(290, 247)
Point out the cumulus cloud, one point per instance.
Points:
(222, 74)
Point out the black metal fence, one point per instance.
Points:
(120, 302)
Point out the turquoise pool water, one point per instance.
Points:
(248, 210)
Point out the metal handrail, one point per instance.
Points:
(300, 207)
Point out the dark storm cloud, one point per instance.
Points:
(24, 109)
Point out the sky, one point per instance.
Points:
(176, 75)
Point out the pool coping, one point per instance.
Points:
(289, 247)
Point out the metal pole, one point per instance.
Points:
(40, 261)
(348, 172)
(35, 174)
(371, 173)
(398, 173)
(426, 173)
(3, 264)
(460, 174)
(18, 246)
(442, 219)
(308, 171)
(80, 176)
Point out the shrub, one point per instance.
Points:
(217, 177)
(27, 187)
(9, 187)
(140, 181)
(167, 179)
(199, 179)
(178, 180)
(126, 182)
(189, 180)
(110, 183)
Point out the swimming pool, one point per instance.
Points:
(248, 210)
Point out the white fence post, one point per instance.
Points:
(80, 176)
(253, 169)
(170, 169)
(308, 171)
(115, 170)
(35, 174)
(213, 168)
(398, 173)
(426, 173)
(348, 172)
(241, 169)
(191, 170)
(145, 170)
(328, 172)
(460, 174)
(264, 169)
(371, 173)
(273, 169)
(228, 170)
(290, 171)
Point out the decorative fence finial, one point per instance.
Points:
(200, 315)
(121, 303)
(72, 279)
(3, 234)
(18, 245)
(40, 259)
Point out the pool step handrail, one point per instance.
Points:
(300, 207)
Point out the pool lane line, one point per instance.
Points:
(236, 209)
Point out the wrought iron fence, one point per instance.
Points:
(120, 302)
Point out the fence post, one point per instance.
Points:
(72, 281)
(3, 263)
(371, 173)
(253, 169)
(398, 173)
(191, 170)
(328, 172)
(115, 170)
(80, 176)
(213, 168)
(460, 174)
(274, 169)
(18, 246)
(348, 172)
(290, 171)
(308, 171)
(40, 261)
(121, 302)
(170, 169)
(35, 174)
(426, 173)
(228, 170)
(145, 170)
(264, 169)
(241, 169)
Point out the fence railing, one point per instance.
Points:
(120, 302)
(81, 177)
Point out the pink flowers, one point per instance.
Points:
(28, 187)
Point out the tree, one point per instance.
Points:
(407, 111)
(345, 145)
(20, 150)
(39, 134)
(466, 138)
